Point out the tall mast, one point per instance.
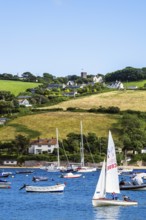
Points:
(82, 147)
(58, 159)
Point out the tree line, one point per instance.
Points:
(127, 74)
(124, 75)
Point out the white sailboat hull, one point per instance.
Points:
(111, 202)
(55, 188)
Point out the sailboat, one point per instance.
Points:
(83, 168)
(55, 167)
(108, 181)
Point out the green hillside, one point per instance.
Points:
(44, 125)
(135, 83)
(127, 99)
(15, 87)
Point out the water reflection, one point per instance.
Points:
(111, 212)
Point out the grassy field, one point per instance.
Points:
(136, 83)
(44, 125)
(15, 87)
(128, 99)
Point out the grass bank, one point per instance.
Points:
(44, 125)
(15, 87)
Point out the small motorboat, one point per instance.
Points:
(135, 184)
(24, 171)
(39, 178)
(43, 189)
(3, 175)
(4, 184)
(86, 169)
(125, 171)
(71, 175)
(130, 186)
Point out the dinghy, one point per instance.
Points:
(52, 189)
(109, 182)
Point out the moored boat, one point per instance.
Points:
(3, 175)
(133, 187)
(4, 184)
(71, 175)
(136, 183)
(85, 169)
(42, 189)
(39, 178)
(24, 171)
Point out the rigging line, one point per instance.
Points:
(90, 151)
(64, 151)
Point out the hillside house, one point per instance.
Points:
(70, 94)
(56, 86)
(41, 146)
(143, 151)
(10, 162)
(24, 101)
(75, 87)
(116, 85)
(3, 121)
(70, 83)
(97, 79)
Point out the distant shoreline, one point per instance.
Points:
(38, 167)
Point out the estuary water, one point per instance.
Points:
(73, 204)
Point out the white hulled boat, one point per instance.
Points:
(108, 181)
(52, 189)
(83, 168)
(71, 175)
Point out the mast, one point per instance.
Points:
(82, 147)
(58, 158)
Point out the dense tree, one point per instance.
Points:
(29, 77)
(133, 133)
(127, 74)
(22, 144)
(48, 78)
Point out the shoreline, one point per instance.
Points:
(38, 167)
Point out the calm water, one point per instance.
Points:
(73, 204)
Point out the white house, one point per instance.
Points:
(143, 151)
(40, 146)
(3, 121)
(70, 94)
(97, 79)
(70, 83)
(24, 102)
(10, 162)
(116, 85)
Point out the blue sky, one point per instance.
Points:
(65, 37)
